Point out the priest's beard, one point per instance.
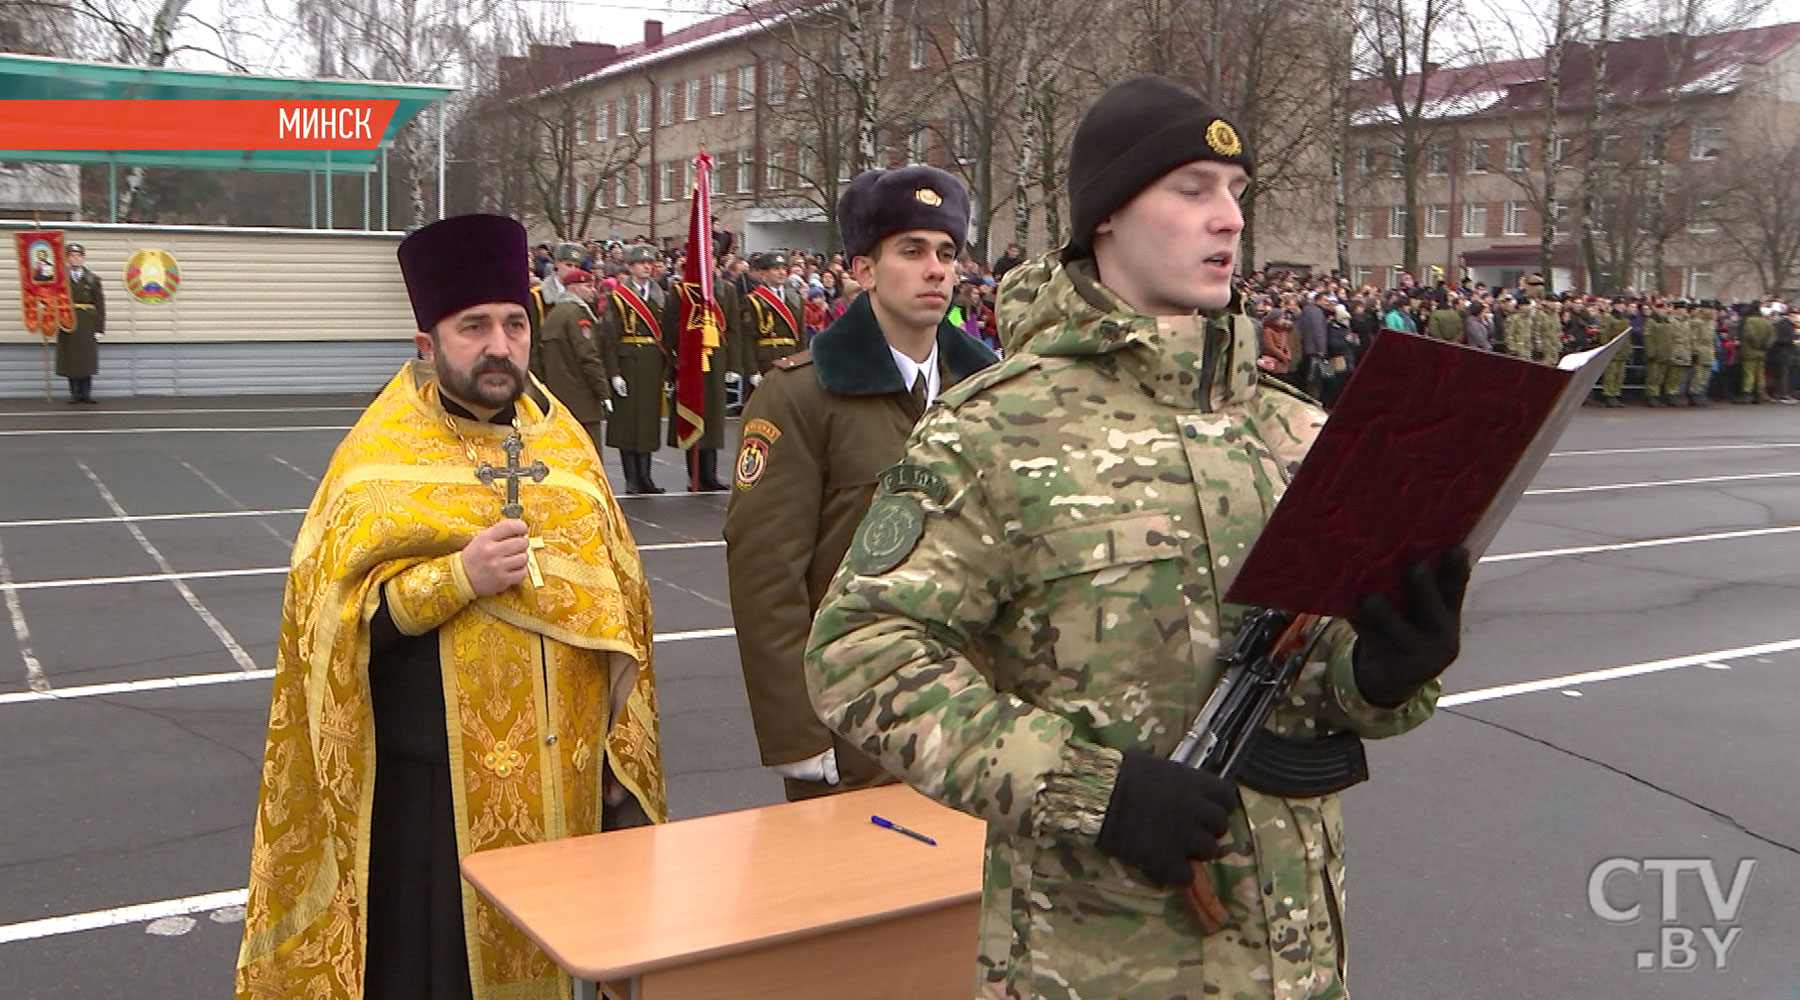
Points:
(469, 387)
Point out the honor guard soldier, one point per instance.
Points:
(726, 368)
(78, 350)
(772, 314)
(1033, 609)
(565, 258)
(817, 436)
(637, 349)
(573, 369)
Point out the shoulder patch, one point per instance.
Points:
(752, 462)
(758, 427)
(794, 361)
(1010, 367)
(906, 477)
(887, 534)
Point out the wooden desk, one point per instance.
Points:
(789, 902)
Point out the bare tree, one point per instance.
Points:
(1757, 201)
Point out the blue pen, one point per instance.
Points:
(897, 828)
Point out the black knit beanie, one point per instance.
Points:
(1136, 132)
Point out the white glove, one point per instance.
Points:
(608, 404)
(733, 378)
(756, 380)
(820, 768)
(619, 387)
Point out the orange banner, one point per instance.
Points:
(244, 125)
(44, 282)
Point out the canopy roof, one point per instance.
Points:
(44, 78)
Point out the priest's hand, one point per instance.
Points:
(496, 557)
(1397, 654)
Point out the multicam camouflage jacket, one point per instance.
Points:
(1037, 588)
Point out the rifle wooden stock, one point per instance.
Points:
(1203, 902)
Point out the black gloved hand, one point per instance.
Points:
(1161, 814)
(1396, 654)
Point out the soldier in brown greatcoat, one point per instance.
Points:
(572, 368)
(772, 314)
(818, 434)
(77, 350)
(726, 365)
(637, 347)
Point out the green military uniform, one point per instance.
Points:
(1681, 355)
(636, 344)
(572, 368)
(1612, 381)
(78, 349)
(1038, 588)
(703, 460)
(1533, 333)
(1659, 348)
(773, 324)
(817, 434)
(1445, 324)
(1705, 344)
(1757, 335)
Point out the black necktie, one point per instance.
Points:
(918, 390)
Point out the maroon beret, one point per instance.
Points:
(464, 261)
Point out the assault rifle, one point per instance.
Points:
(1265, 658)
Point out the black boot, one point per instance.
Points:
(709, 471)
(644, 480)
(628, 461)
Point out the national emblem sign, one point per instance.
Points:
(152, 276)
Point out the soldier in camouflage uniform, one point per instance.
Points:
(1681, 354)
(1703, 335)
(1032, 612)
(1756, 335)
(1659, 345)
(1612, 381)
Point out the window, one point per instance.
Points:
(962, 140)
(1397, 217)
(1437, 220)
(968, 34)
(1565, 151)
(1475, 218)
(1514, 223)
(580, 128)
(643, 109)
(772, 174)
(1609, 147)
(746, 179)
(1696, 281)
(1644, 280)
(666, 183)
(1437, 158)
(1556, 211)
(643, 178)
(691, 106)
(622, 120)
(1476, 156)
(1363, 225)
(918, 47)
(1365, 162)
(1701, 216)
(1396, 160)
(917, 143)
(1396, 276)
(1656, 145)
(803, 167)
(1709, 142)
(716, 100)
(1518, 154)
(688, 178)
(746, 88)
(1361, 274)
(602, 111)
(776, 85)
(665, 110)
(621, 190)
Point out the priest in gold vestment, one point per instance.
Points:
(453, 674)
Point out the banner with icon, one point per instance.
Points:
(44, 282)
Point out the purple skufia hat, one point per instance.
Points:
(464, 261)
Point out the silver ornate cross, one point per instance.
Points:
(537, 470)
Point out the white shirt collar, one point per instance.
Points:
(909, 370)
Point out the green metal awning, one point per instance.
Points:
(43, 78)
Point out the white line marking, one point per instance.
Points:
(309, 477)
(34, 671)
(286, 542)
(1581, 550)
(672, 546)
(41, 431)
(1661, 482)
(232, 677)
(1676, 447)
(141, 913)
(192, 410)
(1615, 673)
(51, 522)
(224, 636)
(101, 581)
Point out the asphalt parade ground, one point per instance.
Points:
(1605, 802)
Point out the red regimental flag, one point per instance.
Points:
(44, 282)
(701, 320)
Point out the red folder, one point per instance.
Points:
(1430, 445)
